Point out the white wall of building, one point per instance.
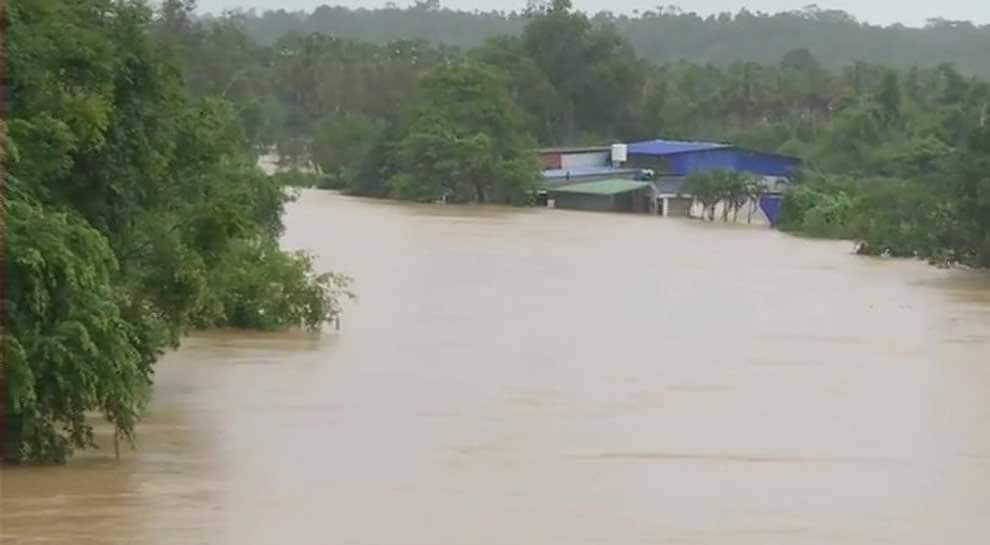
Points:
(749, 213)
(572, 161)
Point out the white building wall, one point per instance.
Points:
(749, 213)
(569, 161)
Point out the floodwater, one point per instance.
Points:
(560, 378)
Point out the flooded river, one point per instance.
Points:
(560, 378)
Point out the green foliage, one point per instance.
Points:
(729, 187)
(595, 77)
(822, 206)
(796, 205)
(69, 347)
(464, 140)
(962, 214)
(295, 177)
(705, 188)
(128, 204)
(342, 145)
(261, 287)
(668, 34)
(896, 217)
(829, 215)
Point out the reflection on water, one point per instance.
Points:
(552, 377)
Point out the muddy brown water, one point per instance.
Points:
(551, 377)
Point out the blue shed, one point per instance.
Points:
(679, 158)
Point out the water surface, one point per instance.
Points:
(560, 378)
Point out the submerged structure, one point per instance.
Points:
(613, 178)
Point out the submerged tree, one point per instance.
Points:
(703, 186)
(729, 187)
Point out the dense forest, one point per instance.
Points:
(134, 210)
(133, 213)
(666, 34)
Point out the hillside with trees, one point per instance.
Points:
(664, 35)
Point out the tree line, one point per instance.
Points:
(133, 213)
(662, 35)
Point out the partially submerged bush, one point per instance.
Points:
(266, 288)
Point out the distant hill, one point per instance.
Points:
(834, 37)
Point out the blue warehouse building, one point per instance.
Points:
(674, 160)
(684, 158)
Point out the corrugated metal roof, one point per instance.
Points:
(671, 147)
(556, 174)
(575, 149)
(603, 187)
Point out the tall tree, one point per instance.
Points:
(125, 197)
(464, 140)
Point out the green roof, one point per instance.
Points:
(603, 187)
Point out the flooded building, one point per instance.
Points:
(675, 160)
(620, 177)
(616, 195)
(673, 200)
(575, 158)
(564, 166)
(580, 165)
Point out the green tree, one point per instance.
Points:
(125, 199)
(464, 140)
(729, 187)
(705, 188)
(530, 87)
(343, 143)
(68, 345)
(593, 70)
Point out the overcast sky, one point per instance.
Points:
(908, 12)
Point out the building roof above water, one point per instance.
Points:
(555, 174)
(576, 149)
(672, 147)
(603, 187)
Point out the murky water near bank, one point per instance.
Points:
(560, 378)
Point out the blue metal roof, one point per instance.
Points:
(684, 158)
(671, 147)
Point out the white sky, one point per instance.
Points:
(908, 12)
